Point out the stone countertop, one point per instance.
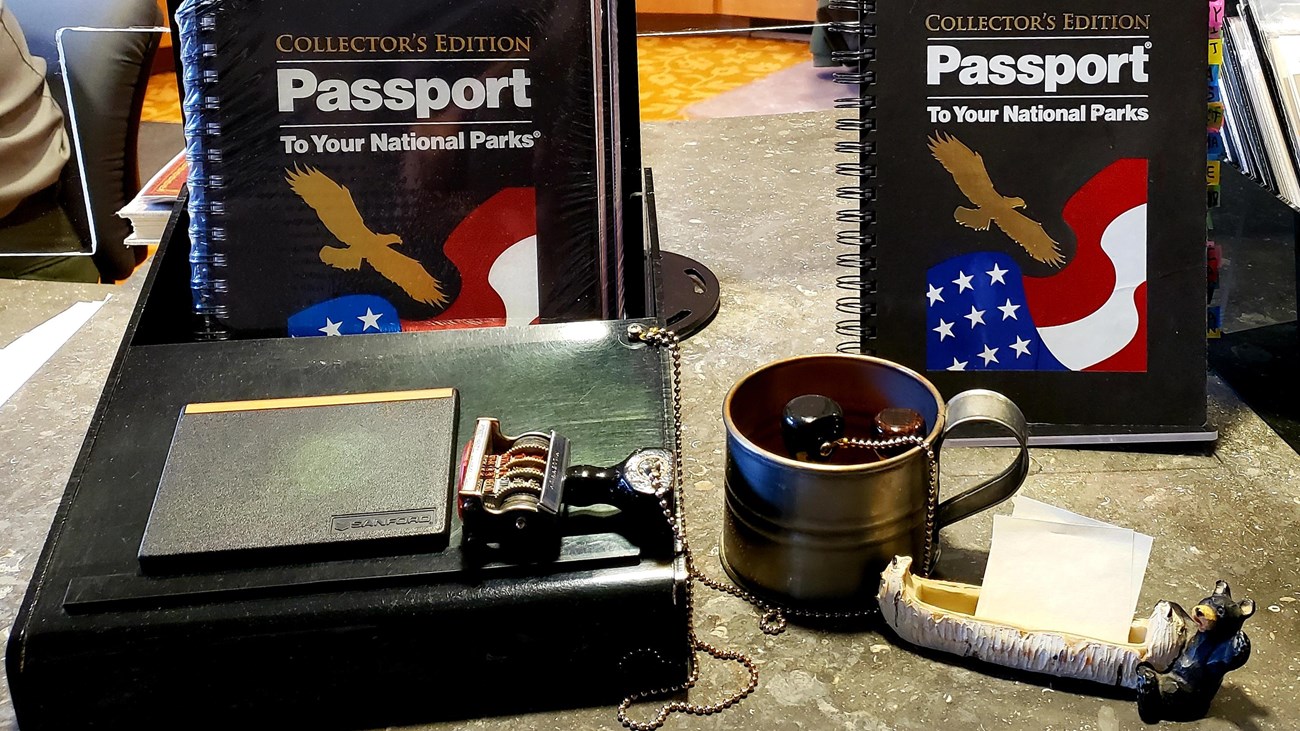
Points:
(43, 424)
(753, 199)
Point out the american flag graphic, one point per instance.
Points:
(983, 314)
(353, 314)
(494, 249)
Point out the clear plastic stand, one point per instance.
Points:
(691, 292)
(70, 54)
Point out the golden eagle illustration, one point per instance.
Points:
(991, 207)
(335, 208)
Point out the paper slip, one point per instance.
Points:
(21, 359)
(1060, 577)
(1036, 510)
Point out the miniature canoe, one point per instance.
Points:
(940, 615)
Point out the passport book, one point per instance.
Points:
(1028, 206)
(362, 166)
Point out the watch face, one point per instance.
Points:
(649, 472)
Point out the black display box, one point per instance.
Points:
(360, 642)
(364, 642)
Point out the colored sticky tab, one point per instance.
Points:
(1214, 116)
(354, 314)
(1213, 94)
(1216, 15)
(1212, 172)
(1216, 51)
(1214, 149)
(1213, 75)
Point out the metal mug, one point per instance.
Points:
(815, 534)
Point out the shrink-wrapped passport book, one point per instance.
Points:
(359, 166)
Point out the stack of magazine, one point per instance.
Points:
(1260, 80)
(360, 167)
(151, 208)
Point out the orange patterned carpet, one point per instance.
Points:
(161, 100)
(678, 71)
(674, 71)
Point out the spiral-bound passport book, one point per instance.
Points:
(1027, 190)
(363, 166)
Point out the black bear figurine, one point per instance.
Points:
(1184, 691)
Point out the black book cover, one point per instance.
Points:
(434, 162)
(1039, 211)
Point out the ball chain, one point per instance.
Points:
(772, 619)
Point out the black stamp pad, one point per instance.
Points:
(304, 479)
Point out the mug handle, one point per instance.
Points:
(980, 405)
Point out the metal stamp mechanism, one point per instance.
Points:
(514, 490)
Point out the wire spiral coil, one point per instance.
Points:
(858, 303)
(206, 183)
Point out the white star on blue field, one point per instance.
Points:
(977, 317)
(353, 314)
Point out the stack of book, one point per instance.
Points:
(151, 208)
(1261, 100)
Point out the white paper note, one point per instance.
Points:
(21, 359)
(1026, 507)
(1059, 577)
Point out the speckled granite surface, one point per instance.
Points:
(752, 198)
(43, 424)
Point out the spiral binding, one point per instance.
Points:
(859, 257)
(207, 230)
